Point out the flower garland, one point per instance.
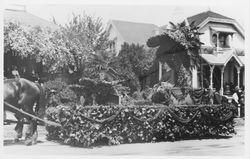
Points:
(86, 126)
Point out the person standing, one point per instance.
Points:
(241, 101)
(15, 72)
(238, 97)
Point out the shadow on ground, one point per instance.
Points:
(10, 142)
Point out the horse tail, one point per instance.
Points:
(41, 102)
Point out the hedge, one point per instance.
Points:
(111, 125)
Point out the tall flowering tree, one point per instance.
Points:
(42, 44)
(71, 47)
(85, 38)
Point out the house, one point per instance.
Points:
(18, 13)
(130, 32)
(222, 55)
(225, 63)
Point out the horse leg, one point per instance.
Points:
(18, 128)
(31, 133)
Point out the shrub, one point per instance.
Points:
(91, 126)
(158, 97)
(143, 102)
(63, 94)
(137, 95)
(102, 91)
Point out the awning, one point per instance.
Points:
(224, 30)
(219, 59)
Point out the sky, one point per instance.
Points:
(155, 14)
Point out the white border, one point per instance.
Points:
(229, 3)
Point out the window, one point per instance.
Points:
(221, 37)
(223, 40)
(214, 40)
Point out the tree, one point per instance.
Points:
(42, 44)
(187, 36)
(99, 63)
(184, 55)
(70, 48)
(132, 62)
(85, 37)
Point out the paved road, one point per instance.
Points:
(233, 146)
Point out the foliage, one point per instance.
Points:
(69, 47)
(42, 44)
(62, 93)
(183, 79)
(184, 55)
(85, 37)
(132, 62)
(114, 125)
(163, 94)
(100, 90)
(159, 97)
(100, 64)
(207, 49)
(187, 36)
(137, 95)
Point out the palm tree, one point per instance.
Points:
(99, 63)
(187, 36)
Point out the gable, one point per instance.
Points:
(132, 32)
(27, 19)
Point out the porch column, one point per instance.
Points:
(218, 42)
(222, 80)
(160, 71)
(211, 76)
(231, 41)
(238, 75)
(194, 78)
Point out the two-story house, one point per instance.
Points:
(222, 55)
(129, 32)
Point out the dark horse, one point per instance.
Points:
(27, 96)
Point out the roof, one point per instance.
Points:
(26, 18)
(242, 59)
(222, 58)
(199, 18)
(133, 32)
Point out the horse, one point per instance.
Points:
(30, 97)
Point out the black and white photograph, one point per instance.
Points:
(133, 79)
